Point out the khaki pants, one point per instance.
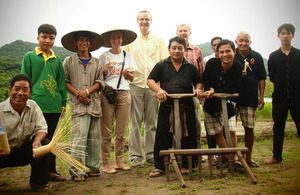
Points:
(143, 107)
(121, 111)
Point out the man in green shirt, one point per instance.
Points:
(49, 87)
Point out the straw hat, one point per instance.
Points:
(68, 41)
(128, 36)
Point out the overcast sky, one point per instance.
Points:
(19, 19)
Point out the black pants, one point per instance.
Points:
(163, 138)
(280, 112)
(23, 156)
(52, 120)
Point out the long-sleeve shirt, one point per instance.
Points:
(47, 74)
(82, 78)
(284, 72)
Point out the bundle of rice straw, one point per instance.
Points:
(60, 146)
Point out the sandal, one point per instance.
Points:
(93, 174)
(78, 178)
(253, 164)
(57, 178)
(157, 173)
(40, 188)
(184, 171)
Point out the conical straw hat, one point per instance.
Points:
(128, 36)
(68, 40)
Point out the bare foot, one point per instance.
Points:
(121, 166)
(108, 169)
(272, 161)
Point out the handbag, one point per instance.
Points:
(109, 92)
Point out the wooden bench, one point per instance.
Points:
(176, 154)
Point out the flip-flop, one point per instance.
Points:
(58, 178)
(40, 188)
(79, 178)
(92, 174)
(253, 164)
(160, 173)
(184, 171)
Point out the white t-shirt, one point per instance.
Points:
(116, 60)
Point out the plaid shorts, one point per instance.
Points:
(214, 124)
(248, 116)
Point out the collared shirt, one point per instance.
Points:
(172, 81)
(81, 79)
(194, 55)
(147, 51)
(278, 65)
(47, 74)
(21, 129)
(248, 92)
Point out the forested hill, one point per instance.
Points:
(11, 56)
(19, 48)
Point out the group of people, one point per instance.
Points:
(126, 83)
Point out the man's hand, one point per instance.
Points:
(198, 93)
(36, 143)
(261, 103)
(86, 101)
(162, 95)
(82, 94)
(209, 93)
(2, 153)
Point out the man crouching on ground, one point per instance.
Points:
(26, 128)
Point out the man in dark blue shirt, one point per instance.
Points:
(254, 76)
(284, 72)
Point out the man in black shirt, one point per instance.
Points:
(175, 75)
(284, 71)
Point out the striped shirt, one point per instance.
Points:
(83, 78)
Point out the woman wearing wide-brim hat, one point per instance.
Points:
(116, 78)
(84, 80)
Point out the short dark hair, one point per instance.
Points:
(289, 27)
(215, 38)
(226, 42)
(47, 29)
(21, 77)
(179, 40)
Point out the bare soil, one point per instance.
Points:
(283, 178)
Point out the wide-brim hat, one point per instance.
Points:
(68, 40)
(128, 36)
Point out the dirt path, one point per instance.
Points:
(283, 178)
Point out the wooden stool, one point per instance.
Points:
(199, 152)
